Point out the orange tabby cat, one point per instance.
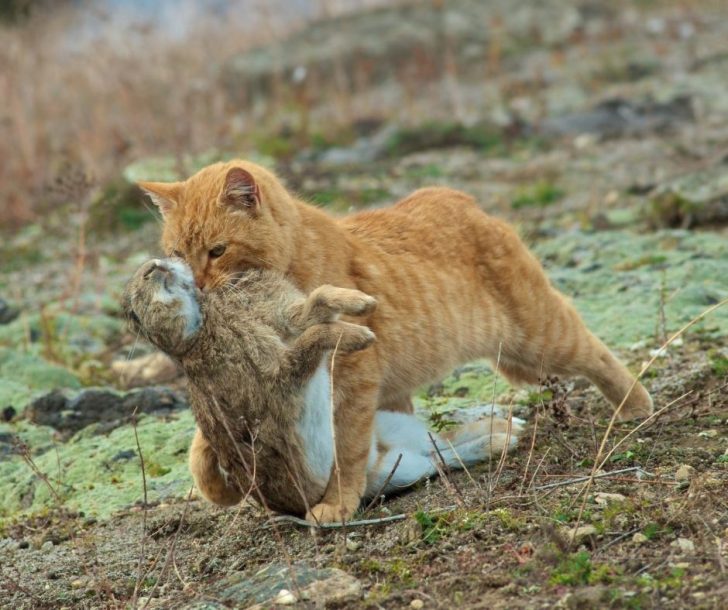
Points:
(453, 284)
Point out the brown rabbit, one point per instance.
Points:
(256, 355)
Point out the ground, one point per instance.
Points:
(604, 144)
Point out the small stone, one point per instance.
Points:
(8, 544)
(685, 545)
(8, 313)
(611, 197)
(607, 498)
(580, 533)
(684, 473)
(712, 483)
(351, 544)
(708, 433)
(285, 598)
(77, 584)
(47, 546)
(639, 538)
(417, 604)
(8, 413)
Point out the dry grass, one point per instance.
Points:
(86, 90)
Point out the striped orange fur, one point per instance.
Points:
(452, 283)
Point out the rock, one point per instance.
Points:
(274, 583)
(580, 534)
(619, 117)
(47, 546)
(8, 545)
(639, 538)
(602, 497)
(365, 149)
(352, 544)
(685, 545)
(417, 604)
(8, 413)
(587, 598)
(284, 598)
(69, 414)
(695, 199)
(684, 473)
(7, 312)
(151, 369)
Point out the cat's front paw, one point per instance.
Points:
(329, 513)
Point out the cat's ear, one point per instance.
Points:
(240, 192)
(164, 195)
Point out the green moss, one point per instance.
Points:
(55, 340)
(429, 171)
(93, 477)
(431, 529)
(24, 375)
(623, 309)
(539, 195)
(537, 397)
(653, 531)
(577, 569)
(121, 205)
(438, 134)
(275, 146)
(22, 250)
(508, 520)
(649, 260)
(718, 364)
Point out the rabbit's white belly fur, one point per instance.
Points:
(398, 439)
(315, 425)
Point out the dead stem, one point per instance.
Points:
(337, 470)
(598, 461)
(170, 552)
(137, 585)
(444, 471)
(383, 486)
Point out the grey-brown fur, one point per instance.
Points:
(257, 344)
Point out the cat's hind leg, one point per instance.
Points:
(565, 346)
(209, 479)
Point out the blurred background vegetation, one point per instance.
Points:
(600, 129)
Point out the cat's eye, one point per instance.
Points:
(217, 251)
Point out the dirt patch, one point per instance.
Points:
(652, 535)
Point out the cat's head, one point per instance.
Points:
(226, 218)
(161, 303)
